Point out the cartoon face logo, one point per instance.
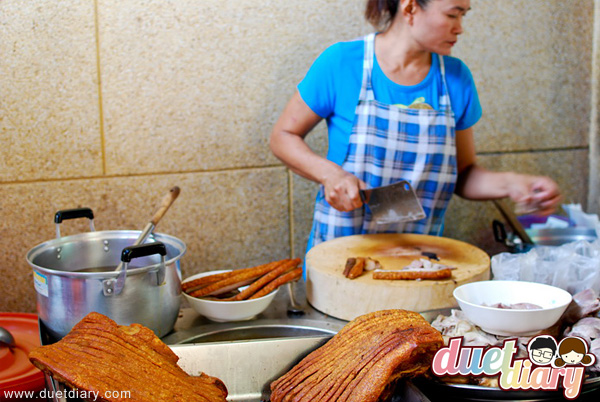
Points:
(573, 350)
(542, 350)
(572, 357)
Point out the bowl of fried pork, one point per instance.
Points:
(239, 294)
(225, 308)
(512, 307)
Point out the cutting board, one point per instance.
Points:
(330, 292)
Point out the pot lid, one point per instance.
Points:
(16, 371)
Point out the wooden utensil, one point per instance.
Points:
(160, 212)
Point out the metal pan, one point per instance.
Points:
(442, 391)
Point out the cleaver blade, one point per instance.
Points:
(396, 202)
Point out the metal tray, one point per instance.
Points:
(439, 390)
(248, 356)
(248, 367)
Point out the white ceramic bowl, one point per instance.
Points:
(223, 311)
(473, 296)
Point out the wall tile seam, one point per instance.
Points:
(134, 175)
(99, 79)
(593, 195)
(533, 151)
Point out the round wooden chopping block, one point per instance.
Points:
(330, 292)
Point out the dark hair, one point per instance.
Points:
(380, 13)
(543, 343)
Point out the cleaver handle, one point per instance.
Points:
(364, 196)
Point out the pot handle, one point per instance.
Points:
(74, 213)
(112, 287)
(143, 250)
(499, 232)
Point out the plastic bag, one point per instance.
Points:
(582, 219)
(573, 266)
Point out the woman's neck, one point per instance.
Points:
(400, 59)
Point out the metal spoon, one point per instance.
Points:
(294, 309)
(7, 338)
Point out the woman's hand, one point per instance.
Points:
(287, 143)
(342, 190)
(539, 194)
(534, 194)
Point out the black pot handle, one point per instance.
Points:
(143, 250)
(499, 231)
(114, 286)
(74, 213)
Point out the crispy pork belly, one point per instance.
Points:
(100, 356)
(363, 361)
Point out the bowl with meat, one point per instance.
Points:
(224, 306)
(512, 307)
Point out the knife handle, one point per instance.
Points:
(363, 196)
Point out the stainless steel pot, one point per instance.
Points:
(74, 275)
(541, 237)
(524, 239)
(559, 236)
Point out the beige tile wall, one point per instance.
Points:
(109, 104)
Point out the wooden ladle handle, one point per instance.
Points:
(165, 204)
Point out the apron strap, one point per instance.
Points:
(444, 100)
(366, 90)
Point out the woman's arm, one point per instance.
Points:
(287, 143)
(477, 183)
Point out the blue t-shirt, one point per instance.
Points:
(332, 86)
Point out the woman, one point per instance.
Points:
(573, 350)
(398, 107)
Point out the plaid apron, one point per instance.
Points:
(389, 144)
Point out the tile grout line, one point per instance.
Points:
(149, 174)
(100, 98)
(593, 195)
(534, 151)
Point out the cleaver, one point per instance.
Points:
(396, 202)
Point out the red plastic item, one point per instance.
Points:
(16, 371)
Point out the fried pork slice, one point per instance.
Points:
(354, 267)
(363, 361)
(100, 356)
(416, 270)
